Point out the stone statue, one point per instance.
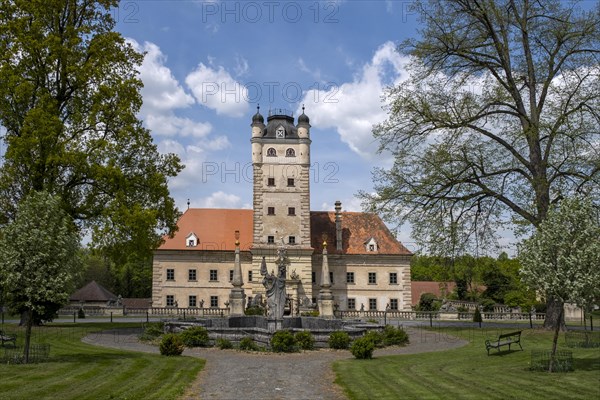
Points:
(275, 285)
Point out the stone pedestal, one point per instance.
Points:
(274, 325)
(237, 302)
(326, 308)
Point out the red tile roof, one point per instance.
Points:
(357, 229)
(215, 229)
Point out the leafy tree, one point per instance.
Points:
(497, 121)
(39, 258)
(561, 259)
(69, 97)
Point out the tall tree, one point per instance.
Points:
(562, 258)
(69, 97)
(498, 121)
(39, 259)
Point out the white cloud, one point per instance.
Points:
(216, 89)
(220, 199)
(315, 74)
(161, 91)
(171, 125)
(353, 108)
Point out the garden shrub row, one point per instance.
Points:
(282, 341)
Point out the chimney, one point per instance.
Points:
(338, 225)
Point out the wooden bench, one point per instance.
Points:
(7, 338)
(505, 339)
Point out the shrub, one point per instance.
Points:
(309, 313)
(152, 331)
(375, 337)
(255, 310)
(488, 305)
(81, 313)
(394, 336)
(427, 302)
(196, 336)
(362, 348)
(224, 344)
(248, 343)
(283, 342)
(339, 340)
(305, 340)
(477, 316)
(171, 345)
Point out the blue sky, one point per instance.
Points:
(209, 63)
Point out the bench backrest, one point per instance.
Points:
(518, 333)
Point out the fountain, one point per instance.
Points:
(260, 328)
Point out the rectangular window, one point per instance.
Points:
(170, 300)
(270, 239)
(230, 275)
(373, 304)
(249, 276)
(331, 277)
(393, 278)
(351, 304)
(170, 274)
(191, 275)
(314, 278)
(270, 181)
(393, 304)
(214, 301)
(191, 243)
(192, 301)
(349, 277)
(290, 181)
(213, 275)
(271, 210)
(372, 278)
(292, 240)
(291, 210)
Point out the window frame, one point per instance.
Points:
(291, 239)
(393, 275)
(270, 210)
(170, 272)
(214, 301)
(194, 303)
(372, 301)
(290, 152)
(194, 272)
(215, 273)
(351, 304)
(292, 211)
(372, 278)
(291, 182)
(170, 300)
(271, 152)
(348, 275)
(394, 304)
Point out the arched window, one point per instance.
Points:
(271, 152)
(290, 153)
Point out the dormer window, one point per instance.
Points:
(290, 153)
(271, 152)
(371, 245)
(191, 240)
(280, 132)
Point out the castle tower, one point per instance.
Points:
(281, 191)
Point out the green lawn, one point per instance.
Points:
(469, 373)
(80, 371)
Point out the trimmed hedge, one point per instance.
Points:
(171, 345)
(339, 340)
(196, 336)
(305, 340)
(362, 348)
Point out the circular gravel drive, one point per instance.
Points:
(233, 374)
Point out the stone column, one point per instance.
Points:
(325, 295)
(237, 297)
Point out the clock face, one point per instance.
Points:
(280, 132)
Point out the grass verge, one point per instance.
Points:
(77, 370)
(469, 373)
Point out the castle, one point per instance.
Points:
(368, 268)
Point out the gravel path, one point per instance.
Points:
(232, 374)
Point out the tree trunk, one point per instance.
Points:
(554, 314)
(555, 343)
(28, 335)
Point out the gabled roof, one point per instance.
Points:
(357, 229)
(93, 291)
(216, 227)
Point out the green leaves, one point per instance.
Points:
(562, 258)
(69, 100)
(39, 258)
